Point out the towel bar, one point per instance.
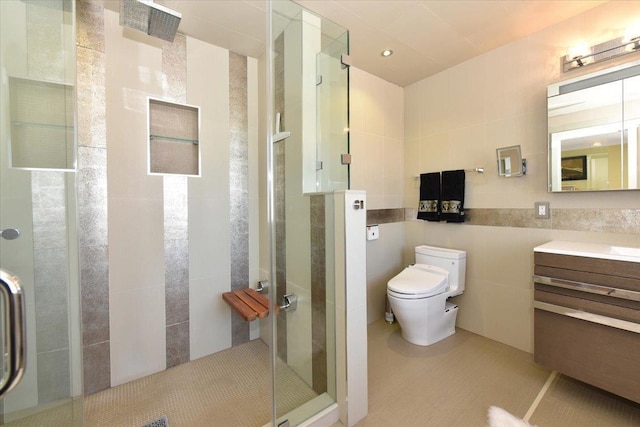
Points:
(478, 170)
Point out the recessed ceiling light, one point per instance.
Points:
(386, 52)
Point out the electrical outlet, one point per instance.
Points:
(542, 210)
(373, 232)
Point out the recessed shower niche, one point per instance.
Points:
(174, 132)
(42, 125)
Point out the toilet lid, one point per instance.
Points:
(420, 280)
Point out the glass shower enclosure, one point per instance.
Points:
(308, 161)
(67, 231)
(37, 201)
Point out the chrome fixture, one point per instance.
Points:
(474, 170)
(289, 302)
(280, 136)
(14, 335)
(582, 54)
(263, 287)
(10, 233)
(151, 18)
(510, 162)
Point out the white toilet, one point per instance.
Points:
(418, 295)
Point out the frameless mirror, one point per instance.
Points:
(510, 161)
(594, 126)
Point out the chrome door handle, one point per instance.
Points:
(588, 287)
(14, 336)
(10, 233)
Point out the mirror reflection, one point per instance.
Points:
(510, 162)
(594, 126)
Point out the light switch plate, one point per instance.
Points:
(542, 210)
(373, 232)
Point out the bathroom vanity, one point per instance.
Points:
(587, 314)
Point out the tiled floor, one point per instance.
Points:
(449, 384)
(229, 388)
(454, 382)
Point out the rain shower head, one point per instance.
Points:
(151, 18)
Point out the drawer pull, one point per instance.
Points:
(588, 287)
(589, 317)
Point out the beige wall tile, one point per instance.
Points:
(137, 333)
(384, 260)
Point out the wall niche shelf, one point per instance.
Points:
(170, 138)
(174, 138)
(42, 125)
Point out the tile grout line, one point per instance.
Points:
(540, 395)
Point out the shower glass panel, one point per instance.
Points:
(309, 89)
(38, 198)
(332, 110)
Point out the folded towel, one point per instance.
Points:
(429, 207)
(452, 198)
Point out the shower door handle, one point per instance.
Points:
(14, 336)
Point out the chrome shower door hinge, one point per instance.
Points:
(345, 61)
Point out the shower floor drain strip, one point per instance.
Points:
(160, 422)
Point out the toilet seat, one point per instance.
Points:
(418, 281)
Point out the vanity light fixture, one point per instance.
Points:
(386, 53)
(582, 54)
(632, 37)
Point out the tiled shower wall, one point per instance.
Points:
(174, 243)
(92, 196)
(51, 278)
(318, 294)
(176, 218)
(239, 186)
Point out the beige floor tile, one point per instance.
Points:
(569, 402)
(450, 383)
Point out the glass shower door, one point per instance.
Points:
(37, 205)
(310, 106)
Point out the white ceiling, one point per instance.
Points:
(426, 36)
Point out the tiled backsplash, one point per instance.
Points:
(625, 221)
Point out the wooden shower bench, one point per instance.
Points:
(249, 304)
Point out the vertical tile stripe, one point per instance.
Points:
(318, 295)
(176, 218)
(92, 196)
(239, 186)
(51, 282)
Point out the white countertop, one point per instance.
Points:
(590, 250)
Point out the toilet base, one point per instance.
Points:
(426, 327)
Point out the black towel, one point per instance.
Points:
(452, 203)
(429, 207)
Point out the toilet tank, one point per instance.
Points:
(452, 260)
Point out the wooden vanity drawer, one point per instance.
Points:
(598, 304)
(587, 314)
(604, 356)
(606, 272)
